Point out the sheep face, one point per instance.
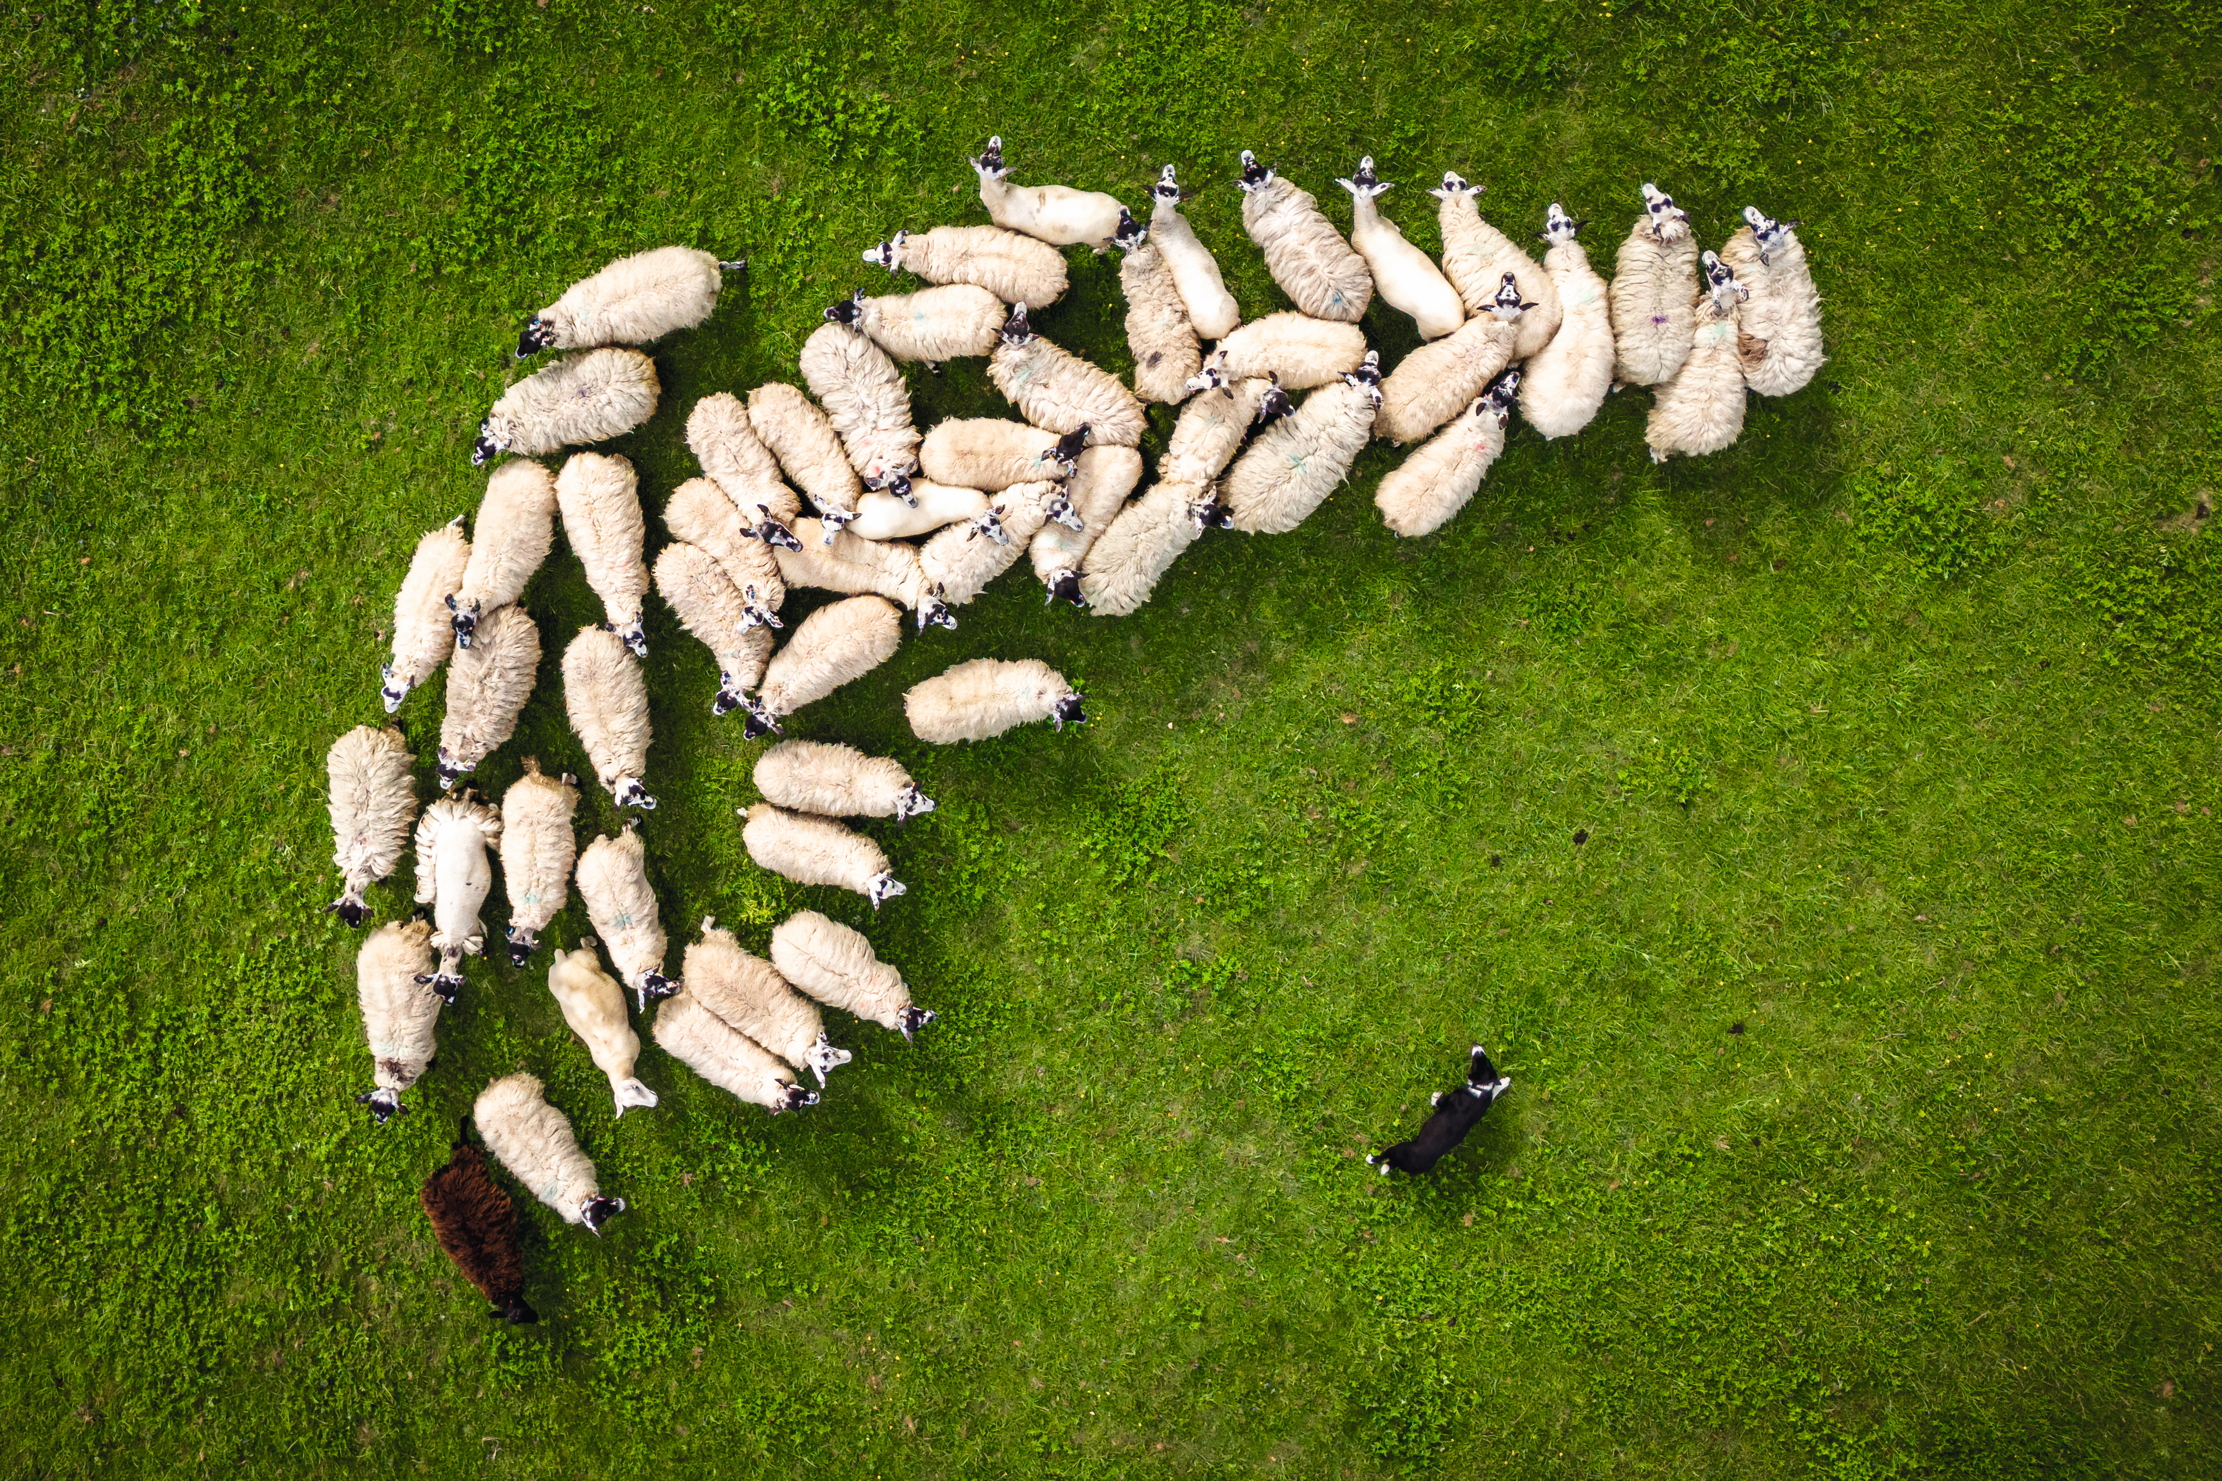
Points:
(389, 691)
(1167, 188)
(1212, 377)
(1500, 395)
(848, 310)
(822, 1056)
(449, 770)
(1365, 184)
(773, 533)
(1367, 377)
(1067, 712)
(914, 1018)
(728, 698)
(634, 638)
(1507, 304)
(443, 984)
(989, 164)
(1720, 282)
(465, 620)
(1066, 584)
(630, 793)
(1015, 331)
(897, 484)
(909, 803)
(833, 521)
(1062, 512)
(1069, 448)
(756, 720)
(1212, 514)
(754, 614)
(1254, 175)
(794, 1098)
(883, 886)
(486, 446)
(1770, 233)
(522, 944)
(989, 522)
(1273, 405)
(1669, 222)
(934, 612)
(350, 909)
(888, 253)
(596, 1212)
(1558, 227)
(516, 1313)
(538, 335)
(384, 1104)
(1454, 184)
(1130, 234)
(654, 987)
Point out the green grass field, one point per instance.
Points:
(1865, 1120)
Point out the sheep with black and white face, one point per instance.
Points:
(454, 876)
(632, 301)
(583, 399)
(516, 529)
(1057, 214)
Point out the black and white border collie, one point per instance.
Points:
(1456, 1113)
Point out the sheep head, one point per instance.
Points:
(389, 691)
(884, 886)
(1720, 282)
(1070, 446)
(654, 987)
(465, 618)
(1559, 228)
(1770, 233)
(1212, 376)
(990, 160)
(1064, 583)
(1454, 185)
(487, 444)
(1274, 404)
(597, 1211)
(913, 1018)
(515, 1312)
(1167, 189)
(1365, 184)
(1015, 331)
(449, 770)
(1067, 711)
(1497, 400)
(538, 335)
(384, 1104)
(848, 310)
(630, 793)
(910, 803)
(1668, 221)
(522, 944)
(1506, 303)
(794, 1098)
(889, 252)
(896, 483)
(350, 908)
(756, 719)
(754, 613)
(822, 1056)
(634, 637)
(1060, 511)
(1254, 175)
(1130, 233)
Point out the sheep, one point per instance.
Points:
(1158, 331)
(594, 1005)
(921, 507)
(1057, 214)
(1476, 256)
(631, 302)
(1701, 410)
(1060, 392)
(1299, 351)
(1097, 491)
(700, 514)
(1203, 292)
(929, 326)
(476, 1224)
(606, 696)
(585, 398)
(961, 560)
(535, 1142)
(454, 877)
(423, 628)
(516, 528)
(1565, 382)
(1420, 495)
(690, 1032)
(1306, 255)
(1779, 327)
(1450, 1122)
(1145, 538)
(984, 697)
(398, 1014)
(725, 443)
(599, 497)
(798, 434)
(749, 994)
(838, 781)
(836, 965)
(839, 561)
(1211, 428)
(1654, 293)
(487, 685)
(537, 852)
(991, 454)
(715, 611)
(1406, 277)
(1430, 385)
(1295, 464)
(373, 802)
(613, 881)
(864, 398)
(814, 850)
(1015, 268)
(826, 650)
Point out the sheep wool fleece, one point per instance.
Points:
(373, 803)
(1144, 540)
(724, 442)
(838, 967)
(600, 500)
(1654, 296)
(535, 1142)
(988, 453)
(1298, 350)
(1476, 256)
(933, 324)
(487, 686)
(1430, 385)
(1701, 410)
(1158, 331)
(864, 398)
(1296, 463)
(423, 632)
(691, 1033)
(812, 850)
(398, 1013)
(699, 513)
(613, 881)
(711, 608)
(635, 299)
(586, 398)
(1780, 339)
(830, 647)
(537, 852)
(476, 1225)
(750, 995)
(984, 697)
(798, 434)
(606, 696)
(594, 1006)
(837, 781)
(1304, 252)
(962, 559)
(1100, 483)
(1421, 494)
(1015, 268)
(516, 528)
(1563, 386)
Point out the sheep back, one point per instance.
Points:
(984, 697)
(423, 632)
(1015, 268)
(1419, 495)
(594, 1006)
(726, 445)
(1306, 255)
(534, 1141)
(749, 994)
(606, 696)
(600, 500)
(1212, 311)
(636, 299)
(1300, 350)
(1653, 299)
(1779, 326)
(1145, 538)
(829, 648)
(691, 1033)
(1701, 410)
(516, 528)
(537, 850)
(934, 324)
(585, 398)
(988, 453)
(961, 560)
(476, 1225)
(1563, 385)
(373, 802)
(1059, 392)
(1158, 331)
(813, 850)
(1433, 383)
(882, 516)
(1476, 256)
(699, 513)
(613, 881)
(1102, 479)
(835, 781)
(850, 564)
(798, 434)
(399, 1015)
(836, 965)
(1211, 429)
(1295, 464)
(864, 398)
(488, 684)
(711, 608)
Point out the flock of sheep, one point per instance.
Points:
(904, 522)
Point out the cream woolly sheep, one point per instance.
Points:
(606, 696)
(537, 852)
(632, 301)
(594, 1005)
(826, 650)
(1406, 278)
(487, 686)
(929, 326)
(423, 628)
(398, 1014)
(750, 995)
(1306, 255)
(864, 398)
(1701, 410)
(1419, 495)
(1300, 351)
(838, 781)
(1211, 427)
(798, 434)
(990, 454)
(836, 965)
(724, 442)
(1057, 214)
(613, 881)
(1476, 256)
(921, 507)
(699, 513)
(1654, 290)
(585, 398)
(1565, 382)
(986, 696)
(454, 876)
(715, 611)
(1295, 464)
(1058, 391)
(516, 527)
(1096, 492)
(1015, 268)
(1430, 385)
(1779, 339)
(961, 560)
(1158, 331)
(814, 850)
(1145, 538)
(1203, 291)
(600, 500)
(839, 561)
(535, 1142)
(373, 803)
(695, 1036)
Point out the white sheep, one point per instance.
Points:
(1058, 391)
(454, 876)
(864, 398)
(724, 442)
(1145, 538)
(1654, 293)
(606, 696)
(1476, 256)
(423, 628)
(930, 326)
(798, 434)
(600, 500)
(836, 965)
(613, 881)
(1295, 464)
(398, 1014)
(1211, 308)
(699, 513)
(921, 507)
(1096, 492)
(709, 606)
(535, 1142)
(826, 650)
(835, 560)
(1565, 382)
(537, 852)
(694, 1035)
(515, 529)
(984, 697)
(1406, 277)
(750, 995)
(814, 850)
(1430, 385)
(1779, 326)
(1158, 332)
(838, 781)
(991, 454)
(1013, 267)
(373, 802)
(1057, 214)
(1701, 410)
(1419, 495)
(632, 301)
(584, 398)
(1297, 350)
(960, 561)
(487, 686)
(1306, 255)
(594, 1005)
(1212, 427)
